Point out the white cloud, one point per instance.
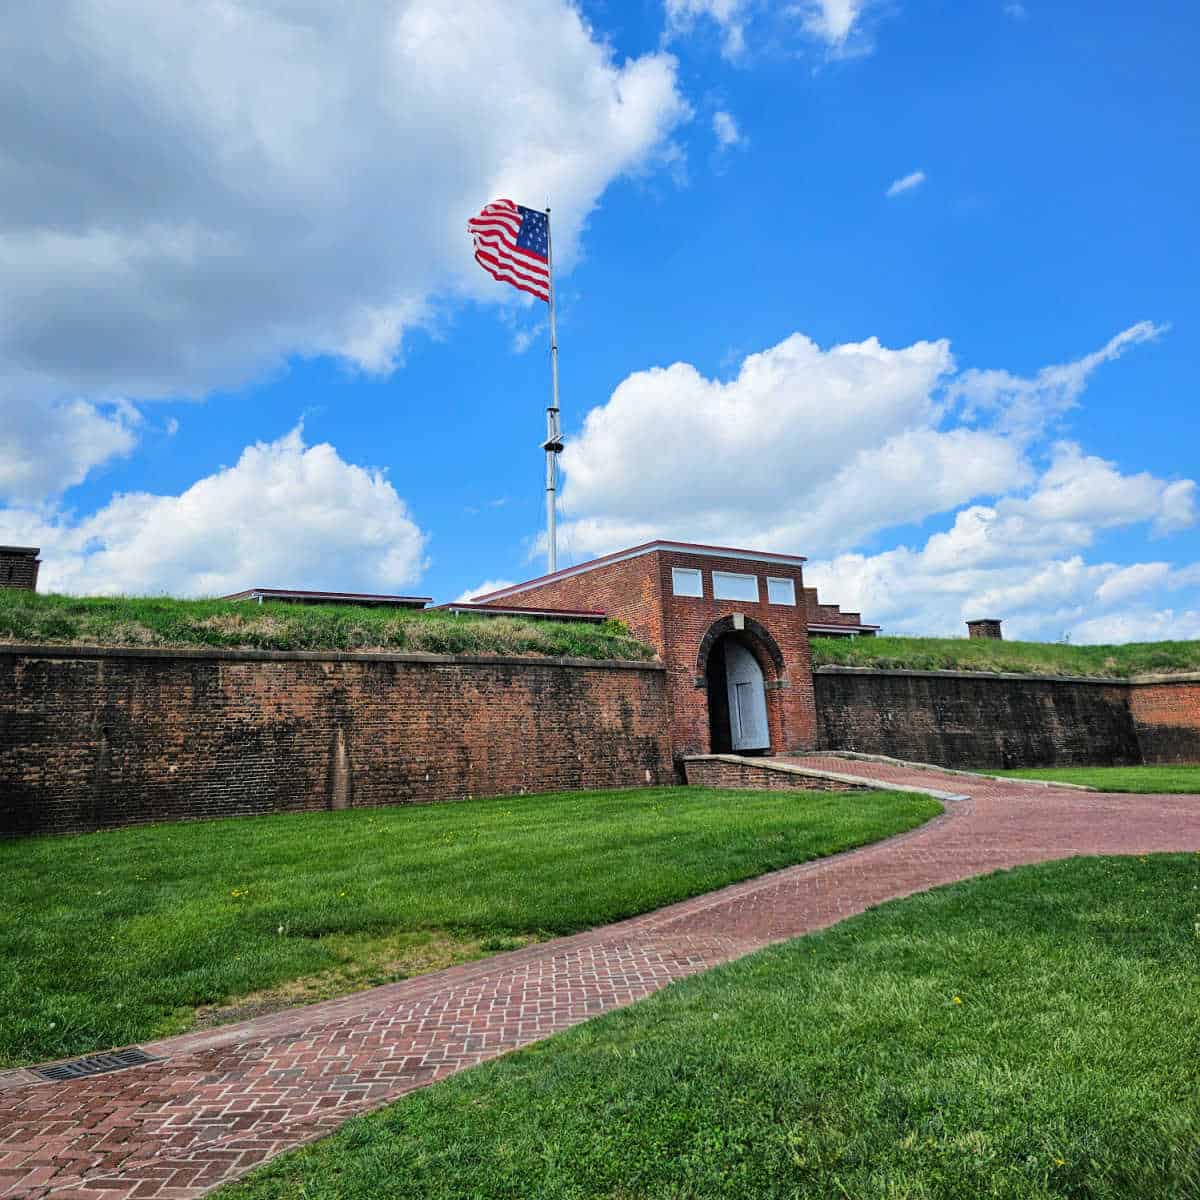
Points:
(832, 21)
(1140, 625)
(286, 515)
(1076, 498)
(204, 190)
(815, 451)
(50, 447)
(726, 131)
(488, 585)
(1021, 557)
(750, 459)
(1018, 12)
(1133, 581)
(837, 25)
(908, 591)
(1027, 404)
(729, 15)
(905, 184)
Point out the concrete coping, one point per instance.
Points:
(862, 781)
(859, 756)
(1104, 680)
(231, 654)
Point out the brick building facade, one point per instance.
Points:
(731, 627)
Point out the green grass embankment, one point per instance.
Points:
(159, 621)
(1024, 658)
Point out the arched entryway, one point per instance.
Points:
(738, 658)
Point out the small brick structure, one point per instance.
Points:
(729, 771)
(98, 738)
(988, 629)
(667, 594)
(19, 567)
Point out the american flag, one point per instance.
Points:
(512, 243)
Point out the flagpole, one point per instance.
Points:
(553, 443)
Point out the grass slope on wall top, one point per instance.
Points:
(159, 621)
(1025, 658)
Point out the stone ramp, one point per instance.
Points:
(823, 773)
(218, 1102)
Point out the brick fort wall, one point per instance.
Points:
(970, 720)
(92, 739)
(1166, 714)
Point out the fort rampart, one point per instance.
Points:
(97, 738)
(970, 719)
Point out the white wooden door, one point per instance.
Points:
(747, 699)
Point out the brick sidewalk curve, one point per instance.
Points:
(222, 1101)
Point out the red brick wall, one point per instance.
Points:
(790, 706)
(976, 720)
(92, 739)
(638, 591)
(715, 773)
(627, 591)
(1166, 714)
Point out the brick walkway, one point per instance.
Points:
(224, 1100)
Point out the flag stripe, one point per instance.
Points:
(501, 245)
(484, 255)
(495, 233)
(540, 290)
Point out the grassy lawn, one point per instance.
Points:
(159, 621)
(1031, 1034)
(1026, 658)
(120, 936)
(1118, 779)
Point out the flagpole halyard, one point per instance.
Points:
(553, 444)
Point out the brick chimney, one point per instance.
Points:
(986, 628)
(19, 567)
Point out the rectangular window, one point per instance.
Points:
(686, 582)
(781, 591)
(727, 586)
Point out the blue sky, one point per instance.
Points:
(242, 340)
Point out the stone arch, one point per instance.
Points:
(719, 672)
(758, 638)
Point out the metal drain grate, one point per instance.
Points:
(95, 1064)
